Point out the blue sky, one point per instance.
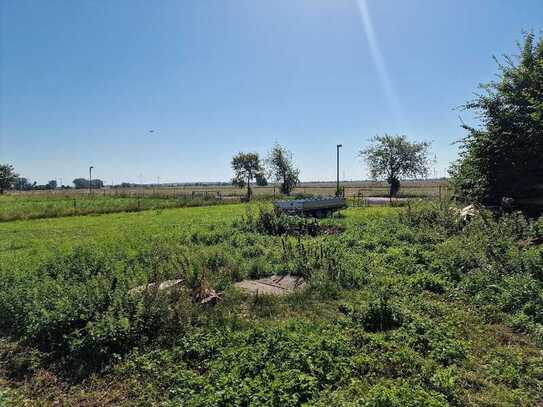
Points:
(82, 82)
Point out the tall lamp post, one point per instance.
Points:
(90, 179)
(337, 172)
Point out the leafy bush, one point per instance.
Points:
(433, 215)
(428, 281)
(270, 223)
(502, 157)
(378, 315)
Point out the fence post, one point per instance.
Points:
(139, 203)
(75, 205)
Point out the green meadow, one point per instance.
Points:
(402, 307)
(38, 206)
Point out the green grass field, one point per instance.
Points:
(37, 206)
(403, 308)
(61, 203)
(28, 240)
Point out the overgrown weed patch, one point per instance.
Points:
(399, 309)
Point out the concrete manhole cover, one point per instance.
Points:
(274, 285)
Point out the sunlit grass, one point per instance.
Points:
(396, 309)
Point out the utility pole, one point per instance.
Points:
(155, 185)
(337, 172)
(90, 179)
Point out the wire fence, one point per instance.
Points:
(422, 189)
(43, 204)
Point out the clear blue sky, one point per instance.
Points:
(82, 82)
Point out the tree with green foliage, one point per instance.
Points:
(83, 183)
(261, 180)
(246, 168)
(394, 157)
(51, 184)
(504, 156)
(282, 168)
(7, 177)
(22, 184)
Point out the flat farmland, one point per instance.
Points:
(51, 205)
(59, 203)
(420, 188)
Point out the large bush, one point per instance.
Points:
(268, 222)
(502, 158)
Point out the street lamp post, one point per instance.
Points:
(90, 179)
(337, 172)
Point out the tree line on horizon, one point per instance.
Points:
(10, 180)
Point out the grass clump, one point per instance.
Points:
(266, 221)
(381, 313)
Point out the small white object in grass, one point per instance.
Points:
(164, 285)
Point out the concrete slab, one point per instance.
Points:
(274, 285)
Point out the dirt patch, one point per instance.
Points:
(274, 285)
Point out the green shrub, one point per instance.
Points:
(381, 316)
(428, 281)
(270, 223)
(439, 215)
(376, 316)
